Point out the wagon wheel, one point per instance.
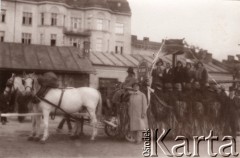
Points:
(129, 137)
(112, 131)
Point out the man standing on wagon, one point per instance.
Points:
(138, 112)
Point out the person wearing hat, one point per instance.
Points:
(130, 79)
(201, 75)
(232, 111)
(157, 75)
(138, 112)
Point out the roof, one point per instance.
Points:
(121, 6)
(132, 60)
(38, 57)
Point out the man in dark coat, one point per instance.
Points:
(232, 111)
(157, 75)
(130, 79)
(201, 75)
(4, 106)
(47, 81)
(178, 74)
(188, 75)
(167, 76)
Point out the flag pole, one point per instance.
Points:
(157, 56)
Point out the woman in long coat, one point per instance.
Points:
(138, 112)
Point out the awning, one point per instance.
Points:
(17, 56)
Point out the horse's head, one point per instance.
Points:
(29, 83)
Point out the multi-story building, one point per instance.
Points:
(106, 24)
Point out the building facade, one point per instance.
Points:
(106, 24)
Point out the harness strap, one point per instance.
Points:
(58, 106)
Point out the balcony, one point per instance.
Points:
(76, 32)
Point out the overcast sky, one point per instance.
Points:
(210, 24)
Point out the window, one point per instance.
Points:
(99, 45)
(3, 16)
(119, 28)
(42, 18)
(119, 48)
(89, 23)
(108, 24)
(54, 19)
(2, 34)
(74, 42)
(41, 38)
(75, 23)
(99, 24)
(53, 39)
(26, 38)
(27, 18)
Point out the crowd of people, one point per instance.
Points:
(181, 100)
(179, 77)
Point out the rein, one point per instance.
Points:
(58, 106)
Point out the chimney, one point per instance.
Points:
(134, 38)
(230, 58)
(86, 49)
(208, 58)
(146, 39)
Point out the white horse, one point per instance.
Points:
(73, 100)
(15, 88)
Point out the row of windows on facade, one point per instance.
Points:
(76, 23)
(27, 39)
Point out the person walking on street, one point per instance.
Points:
(138, 112)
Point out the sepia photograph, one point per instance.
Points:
(119, 78)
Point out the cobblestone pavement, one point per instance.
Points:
(14, 144)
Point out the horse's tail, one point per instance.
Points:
(99, 106)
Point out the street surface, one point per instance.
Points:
(14, 144)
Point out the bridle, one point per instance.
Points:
(28, 86)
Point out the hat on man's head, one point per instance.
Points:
(159, 61)
(130, 70)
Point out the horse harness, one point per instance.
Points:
(58, 107)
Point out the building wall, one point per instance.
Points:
(119, 73)
(14, 28)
